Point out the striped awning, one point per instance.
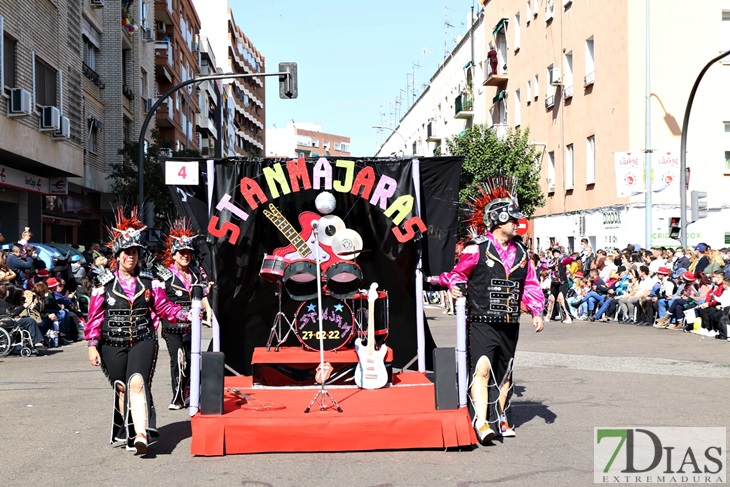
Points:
(499, 96)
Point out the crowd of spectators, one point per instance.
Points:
(50, 303)
(667, 288)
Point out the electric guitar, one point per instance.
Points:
(370, 372)
(300, 246)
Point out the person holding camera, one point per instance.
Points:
(500, 278)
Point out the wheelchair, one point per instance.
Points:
(12, 336)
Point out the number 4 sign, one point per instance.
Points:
(181, 173)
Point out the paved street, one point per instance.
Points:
(54, 417)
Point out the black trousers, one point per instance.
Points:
(175, 342)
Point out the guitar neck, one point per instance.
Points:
(287, 230)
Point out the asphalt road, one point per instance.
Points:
(55, 415)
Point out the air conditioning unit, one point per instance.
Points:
(50, 119)
(194, 46)
(167, 152)
(64, 132)
(555, 79)
(148, 34)
(161, 26)
(96, 3)
(20, 102)
(589, 79)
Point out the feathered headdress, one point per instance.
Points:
(180, 237)
(496, 204)
(126, 232)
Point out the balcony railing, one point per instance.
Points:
(431, 133)
(568, 92)
(498, 75)
(92, 75)
(464, 105)
(127, 92)
(549, 101)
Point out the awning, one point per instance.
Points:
(499, 96)
(467, 65)
(500, 25)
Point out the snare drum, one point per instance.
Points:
(300, 279)
(336, 324)
(343, 279)
(360, 308)
(272, 268)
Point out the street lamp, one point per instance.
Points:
(405, 143)
(683, 152)
(287, 78)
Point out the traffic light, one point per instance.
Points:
(674, 227)
(288, 82)
(699, 208)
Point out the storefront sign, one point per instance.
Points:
(23, 180)
(58, 186)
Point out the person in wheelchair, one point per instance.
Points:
(10, 308)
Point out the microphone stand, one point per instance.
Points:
(322, 393)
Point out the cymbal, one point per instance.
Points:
(346, 240)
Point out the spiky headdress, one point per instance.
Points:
(496, 204)
(126, 232)
(180, 237)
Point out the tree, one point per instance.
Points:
(486, 154)
(125, 181)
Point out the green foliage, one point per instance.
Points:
(125, 182)
(486, 155)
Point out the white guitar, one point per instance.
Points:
(370, 372)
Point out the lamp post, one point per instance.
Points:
(683, 153)
(284, 77)
(405, 143)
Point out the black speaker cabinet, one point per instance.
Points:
(211, 382)
(444, 368)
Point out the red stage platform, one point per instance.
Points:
(402, 416)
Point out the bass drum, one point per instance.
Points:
(343, 279)
(336, 324)
(300, 280)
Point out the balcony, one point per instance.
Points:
(165, 115)
(464, 106)
(205, 124)
(568, 92)
(431, 133)
(92, 75)
(499, 77)
(164, 12)
(164, 61)
(549, 102)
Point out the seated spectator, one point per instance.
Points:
(9, 312)
(21, 266)
(677, 305)
(55, 316)
(7, 276)
(711, 310)
(664, 291)
(716, 263)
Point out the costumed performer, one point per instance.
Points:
(500, 276)
(121, 333)
(179, 278)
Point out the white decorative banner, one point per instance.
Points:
(665, 170)
(629, 173)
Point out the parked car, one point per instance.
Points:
(66, 249)
(55, 261)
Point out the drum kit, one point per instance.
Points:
(344, 304)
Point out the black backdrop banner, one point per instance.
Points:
(374, 197)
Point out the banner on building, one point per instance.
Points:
(665, 169)
(629, 173)
(375, 198)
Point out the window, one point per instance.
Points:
(315, 142)
(536, 87)
(326, 145)
(569, 169)
(568, 74)
(590, 63)
(516, 29)
(549, 87)
(517, 108)
(551, 172)
(143, 83)
(45, 84)
(528, 11)
(90, 53)
(304, 140)
(92, 144)
(529, 91)
(9, 45)
(725, 32)
(591, 160)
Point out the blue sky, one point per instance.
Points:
(352, 57)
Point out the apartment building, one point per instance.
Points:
(303, 139)
(41, 119)
(243, 99)
(453, 101)
(177, 60)
(209, 119)
(575, 74)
